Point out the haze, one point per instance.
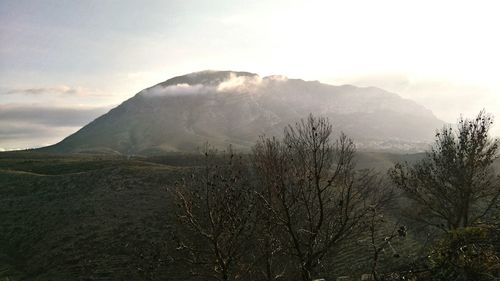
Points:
(63, 63)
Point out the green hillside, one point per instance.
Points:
(91, 217)
(82, 218)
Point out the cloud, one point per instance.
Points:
(178, 90)
(248, 84)
(447, 99)
(240, 84)
(52, 116)
(22, 135)
(26, 126)
(24, 130)
(55, 90)
(233, 84)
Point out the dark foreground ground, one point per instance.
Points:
(91, 217)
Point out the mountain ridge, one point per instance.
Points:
(235, 107)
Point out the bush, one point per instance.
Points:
(465, 254)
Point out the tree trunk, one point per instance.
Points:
(306, 273)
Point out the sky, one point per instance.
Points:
(65, 62)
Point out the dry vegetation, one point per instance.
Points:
(296, 208)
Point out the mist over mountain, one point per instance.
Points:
(227, 107)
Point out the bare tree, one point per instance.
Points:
(274, 265)
(376, 224)
(454, 185)
(312, 190)
(217, 207)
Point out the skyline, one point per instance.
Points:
(63, 63)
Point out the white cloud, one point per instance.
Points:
(240, 84)
(54, 90)
(447, 99)
(247, 84)
(26, 126)
(233, 84)
(48, 115)
(177, 90)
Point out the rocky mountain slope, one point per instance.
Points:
(227, 107)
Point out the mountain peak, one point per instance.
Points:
(234, 107)
(206, 77)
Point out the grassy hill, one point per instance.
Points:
(82, 218)
(92, 217)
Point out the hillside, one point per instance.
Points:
(225, 107)
(88, 217)
(83, 218)
(95, 217)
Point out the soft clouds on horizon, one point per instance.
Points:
(50, 115)
(70, 54)
(447, 100)
(61, 90)
(28, 126)
(40, 115)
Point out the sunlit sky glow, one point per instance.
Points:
(66, 61)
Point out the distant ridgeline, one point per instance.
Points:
(227, 107)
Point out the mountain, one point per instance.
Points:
(228, 107)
